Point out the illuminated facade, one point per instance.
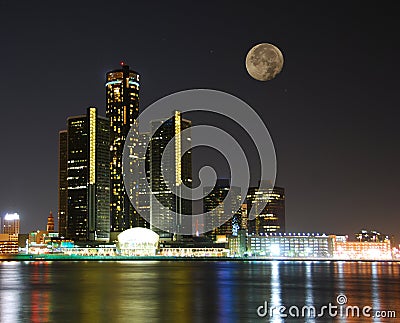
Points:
(8, 247)
(50, 223)
(194, 252)
(122, 102)
(11, 224)
(362, 250)
(181, 169)
(291, 245)
(138, 242)
(229, 209)
(371, 236)
(238, 244)
(62, 182)
(88, 178)
(272, 217)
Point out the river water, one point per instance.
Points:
(196, 291)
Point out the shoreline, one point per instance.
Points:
(50, 257)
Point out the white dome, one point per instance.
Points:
(138, 236)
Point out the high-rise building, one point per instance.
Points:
(50, 223)
(11, 224)
(62, 183)
(122, 102)
(223, 208)
(88, 177)
(143, 202)
(180, 170)
(269, 204)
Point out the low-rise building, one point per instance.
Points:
(237, 244)
(361, 250)
(138, 242)
(8, 243)
(291, 245)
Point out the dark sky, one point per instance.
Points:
(332, 112)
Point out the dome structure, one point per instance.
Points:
(138, 242)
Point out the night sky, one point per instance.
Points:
(332, 112)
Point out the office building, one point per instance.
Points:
(143, 202)
(62, 182)
(291, 245)
(269, 206)
(88, 178)
(122, 110)
(226, 212)
(180, 170)
(11, 224)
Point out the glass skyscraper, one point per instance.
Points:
(122, 110)
(271, 217)
(223, 208)
(180, 169)
(85, 145)
(62, 183)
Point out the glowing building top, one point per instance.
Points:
(11, 223)
(11, 217)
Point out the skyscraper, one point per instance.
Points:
(270, 218)
(62, 183)
(88, 177)
(122, 102)
(143, 201)
(223, 208)
(179, 168)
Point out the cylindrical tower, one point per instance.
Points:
(122, 102)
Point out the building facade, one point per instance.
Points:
(50, 223)
(143, 202)
(238, 244)
(362, 250)
(88, 178)
(163, 200)
(371, 236)
(226, 211)
(11, 224)
(291, 245)
(271, 217)
(122, 110)
(62, 182)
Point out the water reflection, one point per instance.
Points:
(186, 291)
(275, 299)
(40, 276)
(309, 301)
(11, 290)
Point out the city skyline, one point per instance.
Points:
(332, 144)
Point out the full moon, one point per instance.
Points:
(264, 61)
